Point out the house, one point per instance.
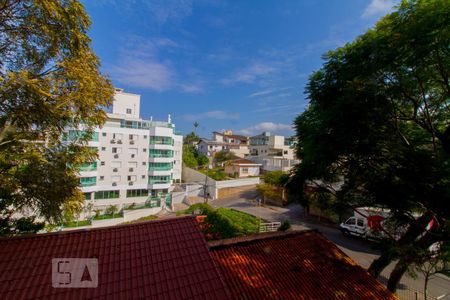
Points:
(167, 259)
(170, 259)
(293, 265)
(236, 144)
(242, 168)
(274, 152)
(209, 147)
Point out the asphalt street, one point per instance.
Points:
(362, 251)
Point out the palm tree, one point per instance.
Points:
(196, 124)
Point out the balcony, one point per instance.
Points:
(88, 181)
(88, 167)
(160, 153)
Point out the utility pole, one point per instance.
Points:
(205, 187)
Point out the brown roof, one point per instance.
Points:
(295, 265)
(167, 259)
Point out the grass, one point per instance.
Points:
(224, 222)
(106, 217)
(77, 223)
(147, 218)
(216, 174)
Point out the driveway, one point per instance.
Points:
(362, 251)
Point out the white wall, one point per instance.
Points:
(123, 101)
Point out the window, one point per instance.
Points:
(144, 150)
(145, 137)
(128, 110)
(102, 163)
(103, 148)
(137, 193)
(103, 133)
(87, 196)
(143, 177)
(360, 222)
(106, 195)
(144, 163)
(285, 152)
(244, 170)
(131, 178)
(351, 221)
(131, 137)
(114, 150)
(102, 177)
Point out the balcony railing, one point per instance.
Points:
(88, 181)
(89, 167)
(161, 141)
(161, 154)
(159, 181)
(161, 167)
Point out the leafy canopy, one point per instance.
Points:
(379, 121)
(49, 81)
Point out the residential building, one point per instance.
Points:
(236, 144)
(209, 147)
(242, 168)
(170, 259)
(138, 160)
(274, 152)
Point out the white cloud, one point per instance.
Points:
(266, 126)
(191, 88)
(214, 114)
(141, 73)
(249, 74)
(378, 7)
(261, 93)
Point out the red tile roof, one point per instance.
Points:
(167, 259)
(296, 265)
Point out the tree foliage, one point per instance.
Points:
(276, 178)
(191, 138)
(189, 158)
(49, 80)
(378, 121)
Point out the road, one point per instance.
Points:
(362, 251)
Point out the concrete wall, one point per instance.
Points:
(131, 215)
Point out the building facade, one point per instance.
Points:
(138, 160)
(273, 152)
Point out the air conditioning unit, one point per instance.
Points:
(130, 169)
(132, 155)
(116, 155)
(115, 170)
(113, 141)
(119, 142)
(131, 142)
(130, 183)
(114, 184)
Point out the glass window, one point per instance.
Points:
(360, 222)
(137, 193)
(351, 221)
(106, 195)
(128, 110)
(103, 148)
(103, 133)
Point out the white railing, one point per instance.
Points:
(269, 227)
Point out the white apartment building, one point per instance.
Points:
(274, 152)
(138, 160)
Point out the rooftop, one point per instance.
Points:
(158, 259)
(243, 161)
(293, 265)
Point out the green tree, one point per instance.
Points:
(378, 123)
(49, 81)
(189, 158)
(191, 138)
(276, 178)
(202, 160)
(223, 156)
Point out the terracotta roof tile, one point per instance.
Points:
(296, 265)
(152, 260)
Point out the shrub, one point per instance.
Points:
(285, 225)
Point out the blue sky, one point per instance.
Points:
(239, 65)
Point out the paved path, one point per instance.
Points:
(362, 251)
